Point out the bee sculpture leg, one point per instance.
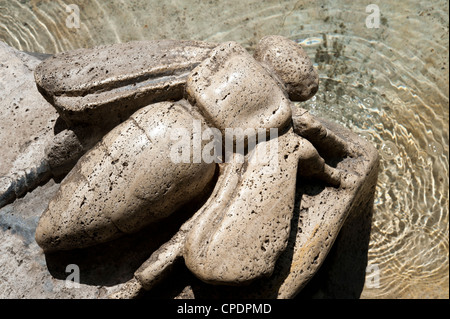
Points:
(326, 142)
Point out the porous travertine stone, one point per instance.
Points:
(319, 213)
(232, 90)
(158, 266)
(35, 146)
(106, 84)
(25, 273)
(103, 196)
(63, 152)
(291, 65)
(26, 126)
(326, 142)
(300, 239)
(125, 182)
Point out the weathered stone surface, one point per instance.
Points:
(64, 151)
(291, 64)
(26, 126)
(158, 267)
(125, 182)
(33, 147)
(306, 224)
(28, 272)
(323, 211)
(232, 90)
(106, 84)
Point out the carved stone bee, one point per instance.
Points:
(138, 95)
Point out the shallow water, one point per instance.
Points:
(389, 84)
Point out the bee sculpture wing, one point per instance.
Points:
(106, 84)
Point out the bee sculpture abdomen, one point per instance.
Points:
(125, 182)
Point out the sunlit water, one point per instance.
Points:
(388, 84)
